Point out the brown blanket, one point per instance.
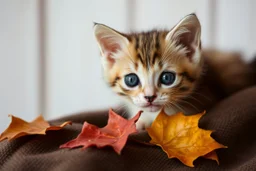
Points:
(234, 120)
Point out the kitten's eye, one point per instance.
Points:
(131, 80)
(167, 78)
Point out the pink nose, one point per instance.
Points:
(150, 98)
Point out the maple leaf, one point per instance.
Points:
(19, 127)
(114, 134)
(212, 156)
(180, 137)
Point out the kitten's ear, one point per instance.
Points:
(109, 41)
(188, 34)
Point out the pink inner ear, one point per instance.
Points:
(109, 47)
(186, 40)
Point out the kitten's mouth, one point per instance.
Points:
(152, 107)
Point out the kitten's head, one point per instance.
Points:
(152, 69)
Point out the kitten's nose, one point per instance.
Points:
(150, 98)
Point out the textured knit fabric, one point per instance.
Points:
(233, 119)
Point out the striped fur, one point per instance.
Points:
(148, 54)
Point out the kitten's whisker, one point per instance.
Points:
(190, 96)
(184, 101)
(120, 107)
(175, 106)
(124, 113)
(197, 93)
(168, 105)
(184, 97)
(179, 107)
(123, 109)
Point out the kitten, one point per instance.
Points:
(157, 69)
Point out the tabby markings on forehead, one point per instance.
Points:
(147, 46)
(140, 58)
(155, 56)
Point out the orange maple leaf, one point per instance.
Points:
(114, 134)
(19, 127)
(212, 156)
(180, 137)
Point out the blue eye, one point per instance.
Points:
(167, 78)
(131, 80)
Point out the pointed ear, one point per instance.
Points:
(187, 33)
(109, 41)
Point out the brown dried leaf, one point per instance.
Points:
(19, 127)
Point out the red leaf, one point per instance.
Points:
(114, 134)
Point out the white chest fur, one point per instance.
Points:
(146, 117)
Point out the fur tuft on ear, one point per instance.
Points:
(109, 41)
(187, 33)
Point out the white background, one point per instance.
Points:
(49, 60)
